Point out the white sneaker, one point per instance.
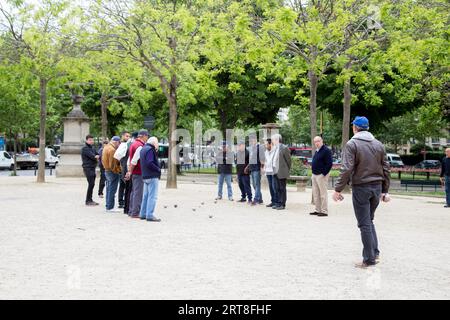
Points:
(113, 210)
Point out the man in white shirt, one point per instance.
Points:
(120, 155)
(268, 168)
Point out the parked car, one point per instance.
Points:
(51, 159)
(428, 164)
(6, 160)
(27, 160)
(163, 155)
(394, 160)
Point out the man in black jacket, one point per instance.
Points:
(242, 163)
(321, 165)
(89, 158)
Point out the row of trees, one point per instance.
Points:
(229, 63)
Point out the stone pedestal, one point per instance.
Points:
(269, 129)
(300, 182)
(76, 127)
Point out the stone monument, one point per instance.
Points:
(76, 127)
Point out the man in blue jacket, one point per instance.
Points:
(321, 165)
(151, 173)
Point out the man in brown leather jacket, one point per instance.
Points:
(364, 164)
(112, 172)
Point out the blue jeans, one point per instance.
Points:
(244, 185)
(447, 189)
(273, 192)
(256, 182)
(365, 201)
(149, 198)
(227, 178)
(112, 182)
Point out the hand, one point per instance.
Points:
(442, 179)
(337, 196)
(385, 197)
(97, 157)
(127, 176)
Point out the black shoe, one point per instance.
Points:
(447, 206)
(121, 206)
(269, 205)
(322, 215)
(315, 213)
(280, 208)
(154, 220)
(91, 203)
(275, 206)
(242, 200)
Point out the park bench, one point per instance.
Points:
(421, 183)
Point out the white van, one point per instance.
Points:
(6, 161)
(51, 159)
(394, 160)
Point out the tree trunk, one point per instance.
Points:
(43, 115)
(313, 81)
(172, 167)
(104, 107)
(223, 122)
(346, 113)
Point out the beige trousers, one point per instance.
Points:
(319, 192)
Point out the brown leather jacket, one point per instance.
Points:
(109, 162)
(364, 162)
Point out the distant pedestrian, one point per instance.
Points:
(225, 160)
(112, 172)
(445, 176)
(282, 168)
(243, 173)
(135, 174)
(89, 158)
(151, 173)
(102, 182)
(256, 161)
(364, 164)
(321, 165)
(121, 156)
(268, 169)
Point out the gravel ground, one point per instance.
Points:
(52, 246)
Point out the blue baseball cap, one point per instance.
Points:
(361, 122)
(115, 138)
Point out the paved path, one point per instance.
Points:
(52, 246)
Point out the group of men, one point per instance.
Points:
(364, 164)
(133, 163)
(128, 163)
(272, 159)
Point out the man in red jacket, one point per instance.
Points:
(135, 173)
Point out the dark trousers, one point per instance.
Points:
(273, 194)
(102, 182)
(244, 186)
(279, 186)
(365, 201)
(121, 191)
(90, 176)
(136, 195)
(128, 188)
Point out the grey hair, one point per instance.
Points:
(277, 137)
(152, 140)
